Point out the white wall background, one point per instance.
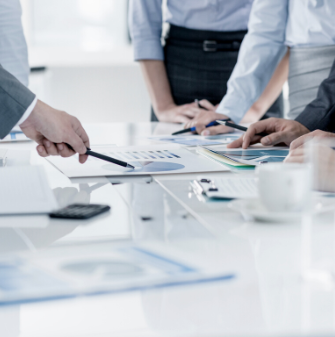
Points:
(90, 70)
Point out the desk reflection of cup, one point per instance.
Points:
(284, 187)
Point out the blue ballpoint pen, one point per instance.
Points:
(193, 129)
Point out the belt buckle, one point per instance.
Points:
(210, 46)
(236, 45)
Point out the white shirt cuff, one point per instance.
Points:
(28, 112)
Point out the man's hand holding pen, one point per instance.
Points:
(278, 130)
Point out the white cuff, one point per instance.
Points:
(27, 113)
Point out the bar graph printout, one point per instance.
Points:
(147, 160)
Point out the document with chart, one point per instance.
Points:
(196, 140)
(147, 160)
(98, 269)
(251, 157)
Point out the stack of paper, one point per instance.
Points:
(228, 187)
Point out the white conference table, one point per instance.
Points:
(269, 297)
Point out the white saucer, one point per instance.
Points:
(253, 209)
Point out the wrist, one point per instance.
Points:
(33, 115)
(28, 112)
(303, 129)
(164, 108)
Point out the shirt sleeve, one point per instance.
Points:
(320, 113)
(145, 25)
(27, 113)
(262, 49)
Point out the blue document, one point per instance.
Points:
(87, 270)
(195, 140)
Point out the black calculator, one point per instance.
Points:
(80, 211)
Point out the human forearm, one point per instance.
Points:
(158, 86)
(271, 92)
(262, 50)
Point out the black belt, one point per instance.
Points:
(213, 46)
(209, 46)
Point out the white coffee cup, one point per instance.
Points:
(284, 187)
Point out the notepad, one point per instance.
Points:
(15, 137)
(25, 190)
(245, 158)
(229, 187)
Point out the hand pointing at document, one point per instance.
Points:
(53, 129)
(279, 130)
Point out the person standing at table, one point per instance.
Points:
(308, 28)
(201, 50)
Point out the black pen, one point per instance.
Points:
(89, 152)
(240, 127)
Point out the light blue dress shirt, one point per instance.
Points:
(13, 47)
(146, 19)
(274, 25)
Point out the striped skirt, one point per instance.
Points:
(196, 73)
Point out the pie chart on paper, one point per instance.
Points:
(149, 166)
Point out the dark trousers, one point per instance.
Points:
(199, 65)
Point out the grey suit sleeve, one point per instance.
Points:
(320, 114)
(15, 99)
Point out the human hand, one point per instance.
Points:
(297, 148)
(322, 157)
(320, 154)
(53, 129)
(205, 117)
(178, 113)
(312, 135)
(279, 130)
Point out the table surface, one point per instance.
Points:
(269, 297)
